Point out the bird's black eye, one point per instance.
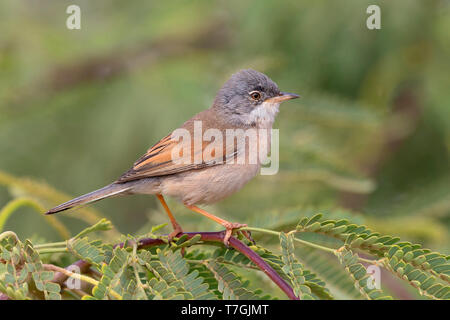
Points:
(256, 95)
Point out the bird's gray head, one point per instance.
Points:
(250, 97)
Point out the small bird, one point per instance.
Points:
(249, 100)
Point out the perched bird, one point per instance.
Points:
(249, 100)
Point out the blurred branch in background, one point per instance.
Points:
(15, 204)
(213, 37)
(33, 193)
(116, 63)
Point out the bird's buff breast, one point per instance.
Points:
(208, 185)
(204, 186)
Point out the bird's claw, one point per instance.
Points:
(176, 231)
(230, 227)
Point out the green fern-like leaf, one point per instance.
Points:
(292, 268)
(90, 251)
(22, 264)
(359, 274)
(330, 271)
(157, 286)
(42, 279)
(353, 235)
(192, 283)
(403, 260)
(229, 284)
(111, 276)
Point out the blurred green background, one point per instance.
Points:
(369, 140)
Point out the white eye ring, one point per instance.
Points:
(255, 95)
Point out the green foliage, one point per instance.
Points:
(22, 274)
(229, 285)
(355, 236)
(172, 268)
(90, 251)
(178, 271)
(292, 268)
(333, 274)
(408, 262)
(418, 266)
(112, 277)
(359, 274)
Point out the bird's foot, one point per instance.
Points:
(230, 227)
(176, 231)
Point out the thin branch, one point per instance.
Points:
(52, 250)
(79, 276)
(70, 274)
(51, 245)
(60, 276)
(17, 203)
(306, 243)
(135, 269)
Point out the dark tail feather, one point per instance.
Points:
(105, 192)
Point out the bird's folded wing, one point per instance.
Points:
(159, 159)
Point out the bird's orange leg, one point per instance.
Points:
(176, 227)
(229, 226)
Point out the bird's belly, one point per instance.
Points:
(208, 185)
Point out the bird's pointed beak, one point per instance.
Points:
(283, 96)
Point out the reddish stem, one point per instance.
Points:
(210, 237)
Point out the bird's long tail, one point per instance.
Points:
(105, 192)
